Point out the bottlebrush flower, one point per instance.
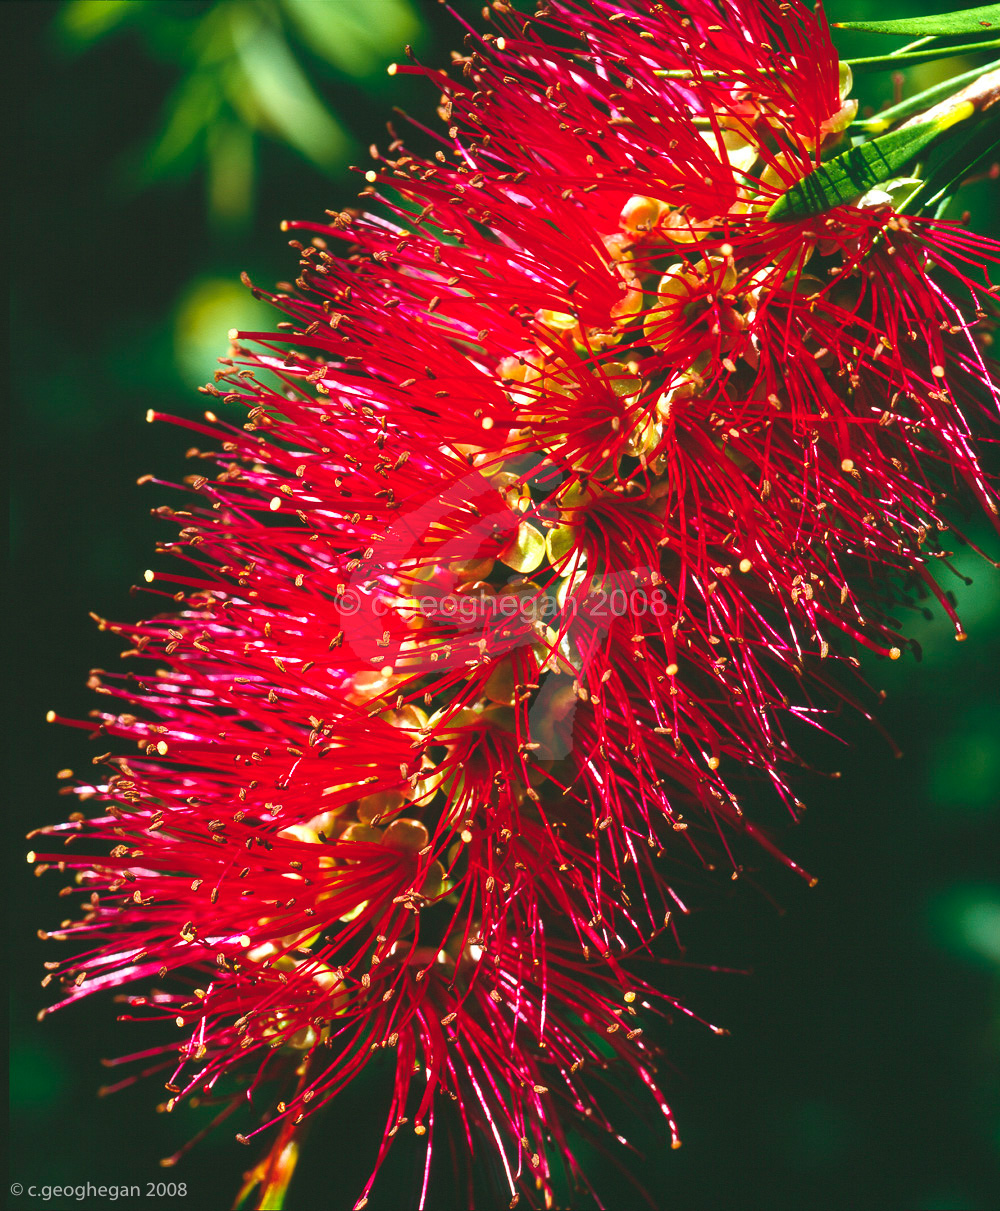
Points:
(565, 484)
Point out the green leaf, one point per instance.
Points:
(942, 25)
(954, 159)
(357, 36)
(279, 88)
(189, 114)
(895, 60)
(229, 155)
(885, 118)
(854, 172)
(84, 21)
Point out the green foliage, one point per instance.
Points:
(204, 314)
(354, 35)
(84, 21)
(861, 168)
(873, 164)
(965, 919)
(922, 100)
(902, 58)
(243, 71)
(954, 160)
(946, 25)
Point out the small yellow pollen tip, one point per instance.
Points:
(894, 653)
(629, 997)
(745, 565)
(31, 856)
(274, 504)
(371, 176)
(233, 334)
(50, 716)
(847, 465)
(149, 576)
(392, 69)
(150, 416)
(162, 748)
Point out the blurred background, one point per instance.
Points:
(157, 146)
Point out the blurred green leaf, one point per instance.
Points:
(963, 21)
(204, 316)
(966, 920)
(354, 35)
(189, 114)
(84, 21)
(282, 92)
(231, 160)
(964, 767)
(240, 75)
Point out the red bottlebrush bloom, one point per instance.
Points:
(567, 480)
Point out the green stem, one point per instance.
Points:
(884, 62)
(885, 118)
(981, 94)
(903, 50)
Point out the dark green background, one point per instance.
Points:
(862, 1066)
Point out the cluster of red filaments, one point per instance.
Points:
(565, 482)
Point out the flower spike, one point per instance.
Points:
(563, 500)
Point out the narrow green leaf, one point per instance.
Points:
(885, 118)
(189, 114)
(895, 61)
(229, 154)
(955, 159)
(84, 21)
(281, 91)
(965, 21)
(854, 172)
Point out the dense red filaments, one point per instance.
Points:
(563, 485)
